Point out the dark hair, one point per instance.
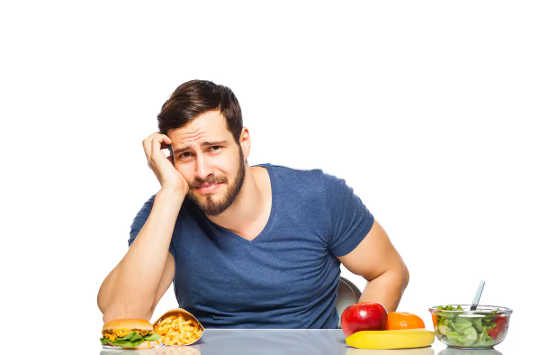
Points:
(198, 96)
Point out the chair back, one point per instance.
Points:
(347, 294)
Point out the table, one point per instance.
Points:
(288, 342)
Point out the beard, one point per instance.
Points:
(211, 206)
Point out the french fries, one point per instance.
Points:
(178, 327)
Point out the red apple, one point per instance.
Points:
(363, 316)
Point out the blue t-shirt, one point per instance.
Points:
(287, 276)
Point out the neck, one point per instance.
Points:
(247, 207)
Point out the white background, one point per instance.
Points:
(428, 109)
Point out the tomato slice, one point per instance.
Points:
(500, 323)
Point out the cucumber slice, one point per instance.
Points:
(469, 336)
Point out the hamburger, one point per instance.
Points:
(129, 334)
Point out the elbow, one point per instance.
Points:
(101, 301)
(123, 311)
(404, 277)
(120, 305)
(116, 309)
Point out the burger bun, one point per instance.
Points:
(128, 323)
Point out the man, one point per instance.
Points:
(246, 246)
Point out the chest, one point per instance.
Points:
(284, 264)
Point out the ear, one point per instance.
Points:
(245, 142)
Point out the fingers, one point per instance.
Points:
(156, 143)
(146, 147)
(168, 175)
(153, 145)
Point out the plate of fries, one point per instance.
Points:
(178, 327)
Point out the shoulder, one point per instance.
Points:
(146, 207)
(307, 176)
(314, 182)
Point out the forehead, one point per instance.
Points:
(208, 126)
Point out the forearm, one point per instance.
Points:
(387, 288)
(130, 289)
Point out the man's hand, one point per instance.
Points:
(169, 177)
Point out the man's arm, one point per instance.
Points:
(376, 259)
(136, 284)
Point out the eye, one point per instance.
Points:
(185, 155)
(215, 148)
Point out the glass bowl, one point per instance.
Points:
(457, 326)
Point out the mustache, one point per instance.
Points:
(211, 179)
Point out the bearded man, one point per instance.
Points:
(246, 246)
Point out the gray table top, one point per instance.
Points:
(288, 341)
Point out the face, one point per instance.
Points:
(212, 162)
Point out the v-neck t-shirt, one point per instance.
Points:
(287, 276)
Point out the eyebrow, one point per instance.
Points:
(205, 144)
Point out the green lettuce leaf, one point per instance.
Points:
(131, 340)
(133, 336)
(460, 324)
(152, 337)
(463, 330)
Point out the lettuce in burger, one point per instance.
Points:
(129, 334)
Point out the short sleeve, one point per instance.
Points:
(350, 219)
(140, 220)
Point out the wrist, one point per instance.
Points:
(171, 194)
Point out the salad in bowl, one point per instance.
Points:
(457, 325)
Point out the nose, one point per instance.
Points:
(201, 170)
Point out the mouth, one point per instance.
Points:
(208, 188)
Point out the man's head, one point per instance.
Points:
(210, 144)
